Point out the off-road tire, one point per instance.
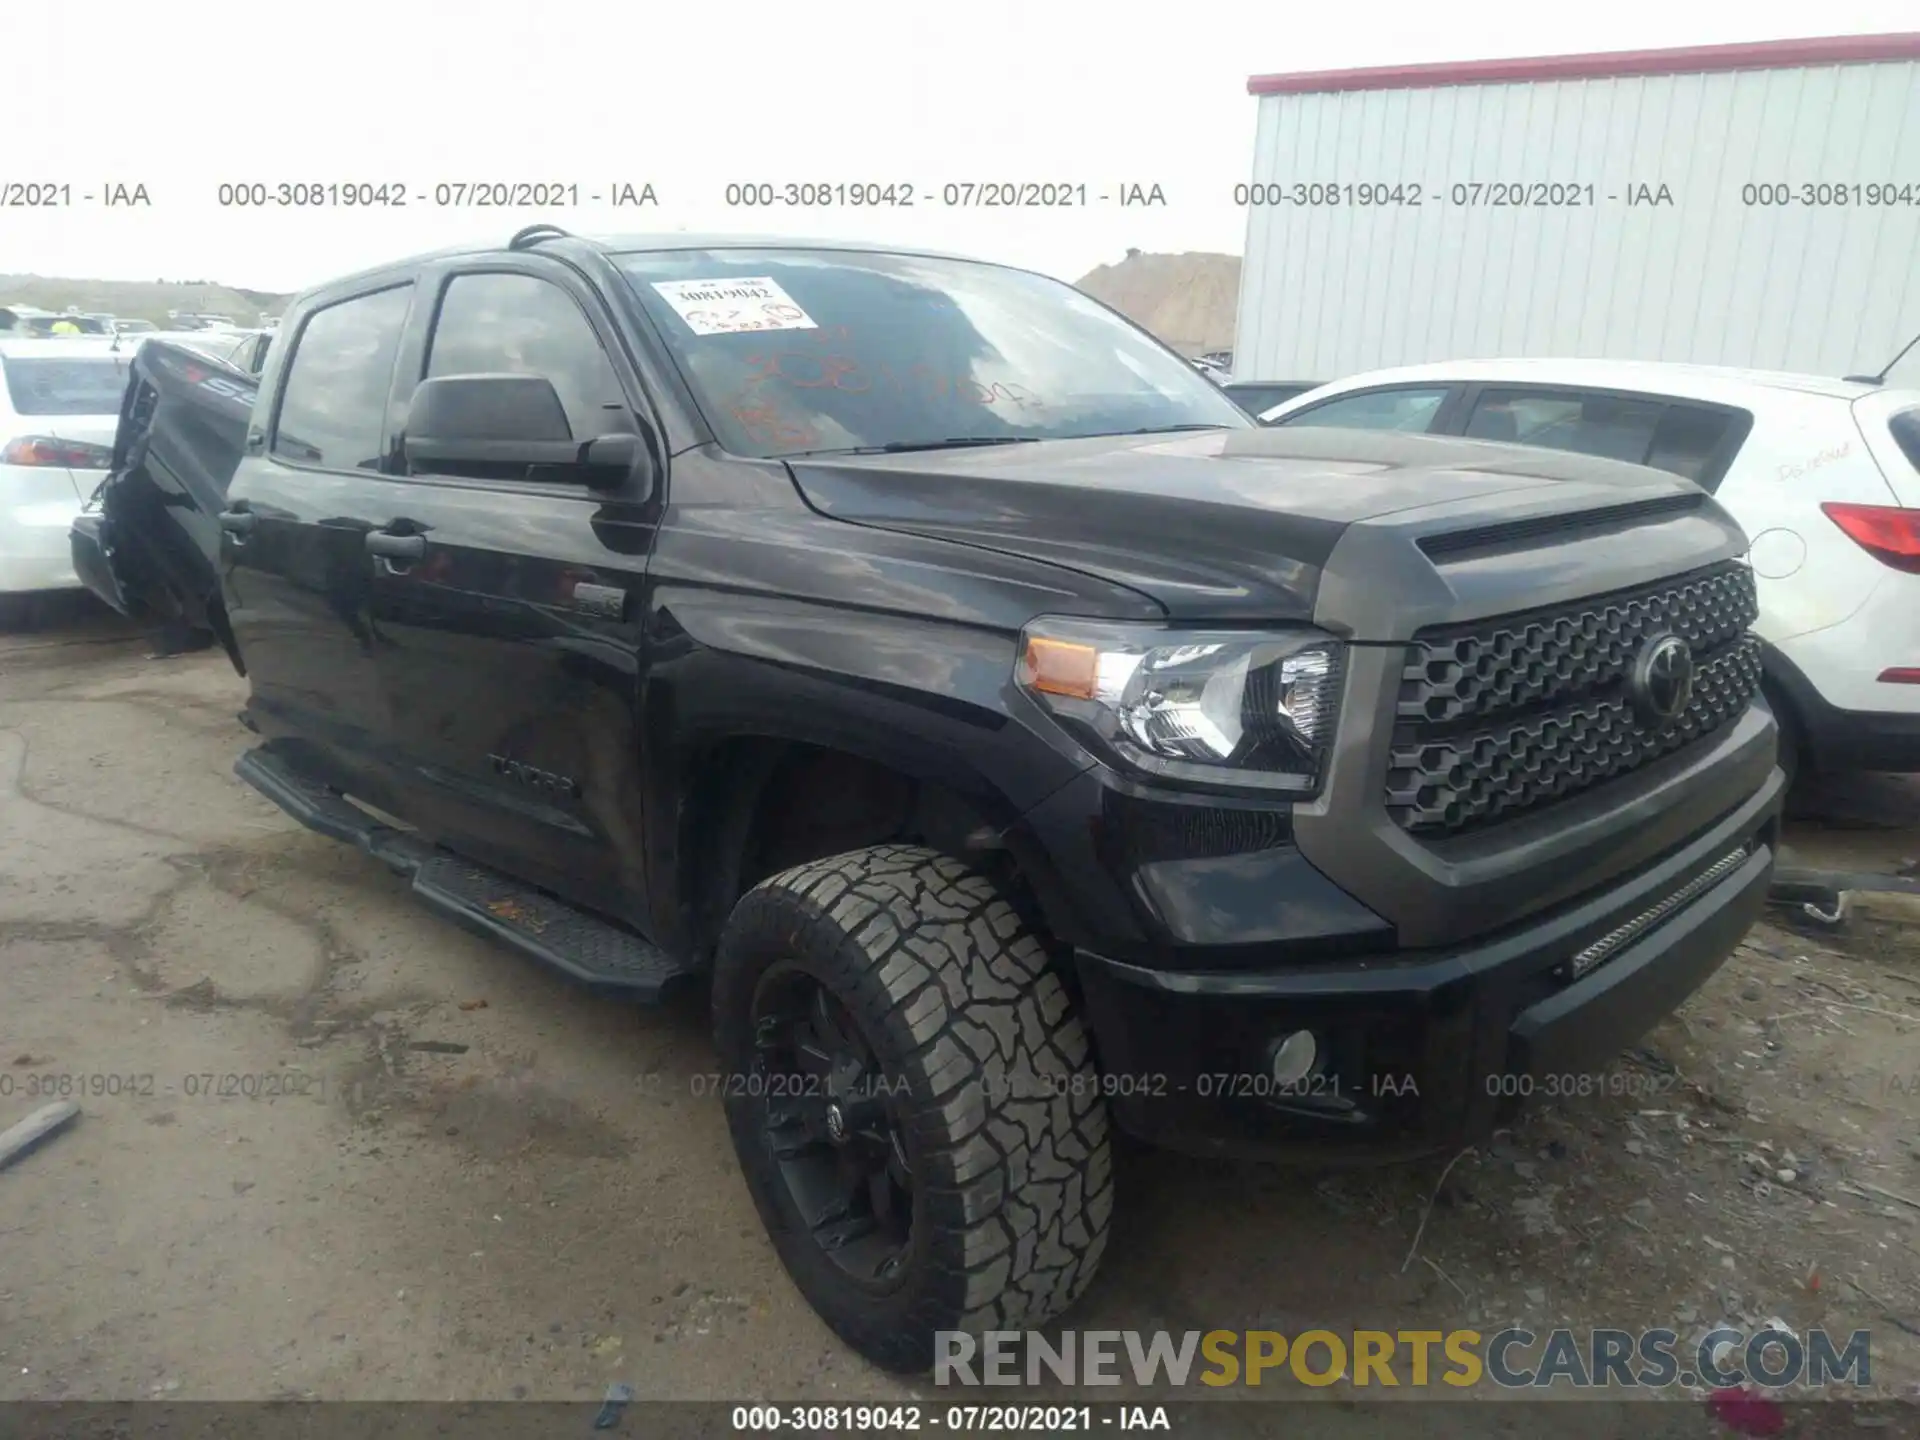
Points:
(1001, 1111)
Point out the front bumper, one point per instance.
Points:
(1423, 1051)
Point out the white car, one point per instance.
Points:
(1823, 474)
(59, 409)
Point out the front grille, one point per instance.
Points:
(1506, 715)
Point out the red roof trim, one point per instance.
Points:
(1603, 65)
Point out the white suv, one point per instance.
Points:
(1823, 474)
(59, 409)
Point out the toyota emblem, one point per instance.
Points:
(1663, 680)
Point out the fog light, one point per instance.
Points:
(1293, 1057)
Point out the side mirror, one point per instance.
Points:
(503, 426)
(611, 461)
(487, 420)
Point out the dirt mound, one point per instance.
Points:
(140, 299)
(1188, 300)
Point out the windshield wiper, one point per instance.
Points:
(958, 442)
(1170, 429)
(902, 447)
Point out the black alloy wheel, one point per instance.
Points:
(913, 1100)
(831, 1125)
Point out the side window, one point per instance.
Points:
(1376, 410)
(1612, 426)
(333, 410)
(1256, 400)
(1689, 439)
(523, 325)
(1905, 427)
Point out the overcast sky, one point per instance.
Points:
(181, 98)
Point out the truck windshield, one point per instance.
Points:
(806, 351)
(89, 385)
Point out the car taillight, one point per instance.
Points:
(48, 450)
(1887, 532)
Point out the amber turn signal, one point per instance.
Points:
(1060, 667)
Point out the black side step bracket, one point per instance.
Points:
(596, 953)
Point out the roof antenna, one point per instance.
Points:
(1886, 370)
(533, 234)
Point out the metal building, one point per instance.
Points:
(1752, 205)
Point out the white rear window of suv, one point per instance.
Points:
(65, 384)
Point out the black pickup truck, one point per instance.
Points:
(1015, 737)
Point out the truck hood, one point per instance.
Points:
(1240, 524)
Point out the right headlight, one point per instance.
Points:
(1213, 707)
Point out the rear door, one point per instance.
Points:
(510, 644)
(296, 573)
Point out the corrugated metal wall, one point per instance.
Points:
(1327, 290)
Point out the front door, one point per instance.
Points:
(509, 612)
(296, 571)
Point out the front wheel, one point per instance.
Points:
(913, 1101)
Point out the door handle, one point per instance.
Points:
(238, 522)
(396, 547)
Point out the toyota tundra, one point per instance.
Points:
(1013, 738)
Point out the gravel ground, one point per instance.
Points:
(280, 1193)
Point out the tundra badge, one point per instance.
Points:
(607, 601)
(539, 779)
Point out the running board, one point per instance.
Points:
(603, 957)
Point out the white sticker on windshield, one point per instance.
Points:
(731, 306)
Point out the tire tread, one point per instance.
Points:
(1006, 1107)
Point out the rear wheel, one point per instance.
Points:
(912, 1099)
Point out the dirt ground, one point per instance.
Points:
(280, 1193)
